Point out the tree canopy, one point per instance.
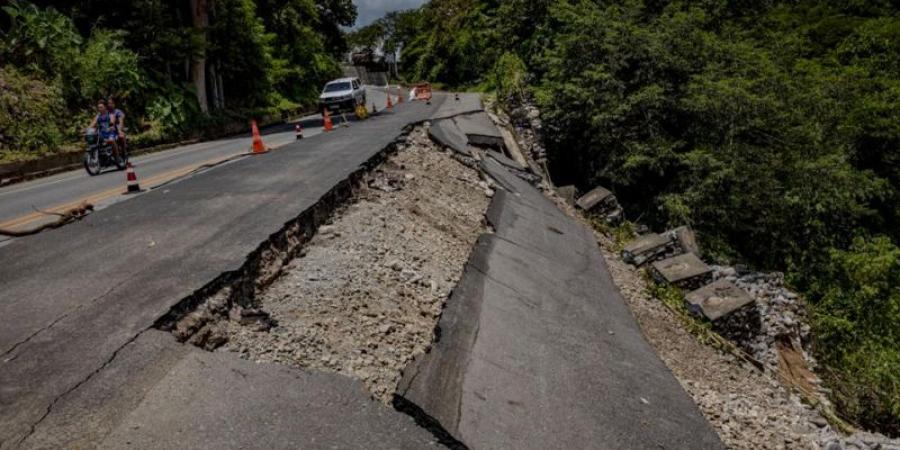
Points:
(176, 66)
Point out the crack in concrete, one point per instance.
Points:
(59, 397)
(429, 423)
(60, 318)
(528, 301)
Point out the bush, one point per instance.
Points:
(31, 115)
(856, 313)
(509, 77)
(106, 68)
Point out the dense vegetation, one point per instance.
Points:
(772, 127)
(178, 67)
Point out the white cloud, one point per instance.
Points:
(370, 10)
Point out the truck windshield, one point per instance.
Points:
(335, 87)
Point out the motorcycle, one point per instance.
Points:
(100, 155)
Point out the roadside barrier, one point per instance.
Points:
(258, 146)
(328, 125)
(131, 182)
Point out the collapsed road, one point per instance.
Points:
(536, 348)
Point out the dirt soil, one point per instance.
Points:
(366, 293)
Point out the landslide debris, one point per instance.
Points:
(365, 294)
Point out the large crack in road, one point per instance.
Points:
(360, 295)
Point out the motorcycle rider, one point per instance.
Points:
(105, 123)
(119, 122)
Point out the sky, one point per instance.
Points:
(370, 10)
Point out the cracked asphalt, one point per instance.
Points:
(73, 298)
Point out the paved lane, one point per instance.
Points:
(65, 190)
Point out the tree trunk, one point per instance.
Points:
(200, 19)
(214, 88)
(221, 85)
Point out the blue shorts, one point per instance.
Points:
(109, 135)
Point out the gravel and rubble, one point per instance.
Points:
(782, 313)
(749, 409)
(364, 296)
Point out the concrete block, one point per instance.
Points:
(682, 270)
(717, 300)
(686, 239)
(567, 193)
(596, 196)
(646, 248)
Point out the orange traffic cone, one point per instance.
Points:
(389, 104)
(327, 118)
(298, 131)
(131, 181)
(258, 146)
(400, 96)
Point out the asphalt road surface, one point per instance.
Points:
(19, 202)
(77, 345)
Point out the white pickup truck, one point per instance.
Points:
(342, 94)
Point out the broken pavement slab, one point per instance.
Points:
(538, 350)
(717, 300)
(219, 401)
(682, 270)
(686, 239)
(448, 134)
(567, 193)
(479, 129)
(593, 198)
(646, 248)
(157, 393)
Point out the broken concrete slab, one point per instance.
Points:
(686, 239)
(512, 146)
(503, 159)
(646, 248)
(448, 134)
(538, 350)
(567, 193)
(157, 393)
(683, 270)
(594, 197)
(717, 300)
(479, 129)
(219, 401)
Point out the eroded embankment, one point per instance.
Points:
(357, 284)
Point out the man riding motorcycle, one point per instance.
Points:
(105, 124)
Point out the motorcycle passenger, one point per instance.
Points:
(105, 123)
(119, 120)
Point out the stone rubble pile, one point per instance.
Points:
(526, 119)
(781, 313)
